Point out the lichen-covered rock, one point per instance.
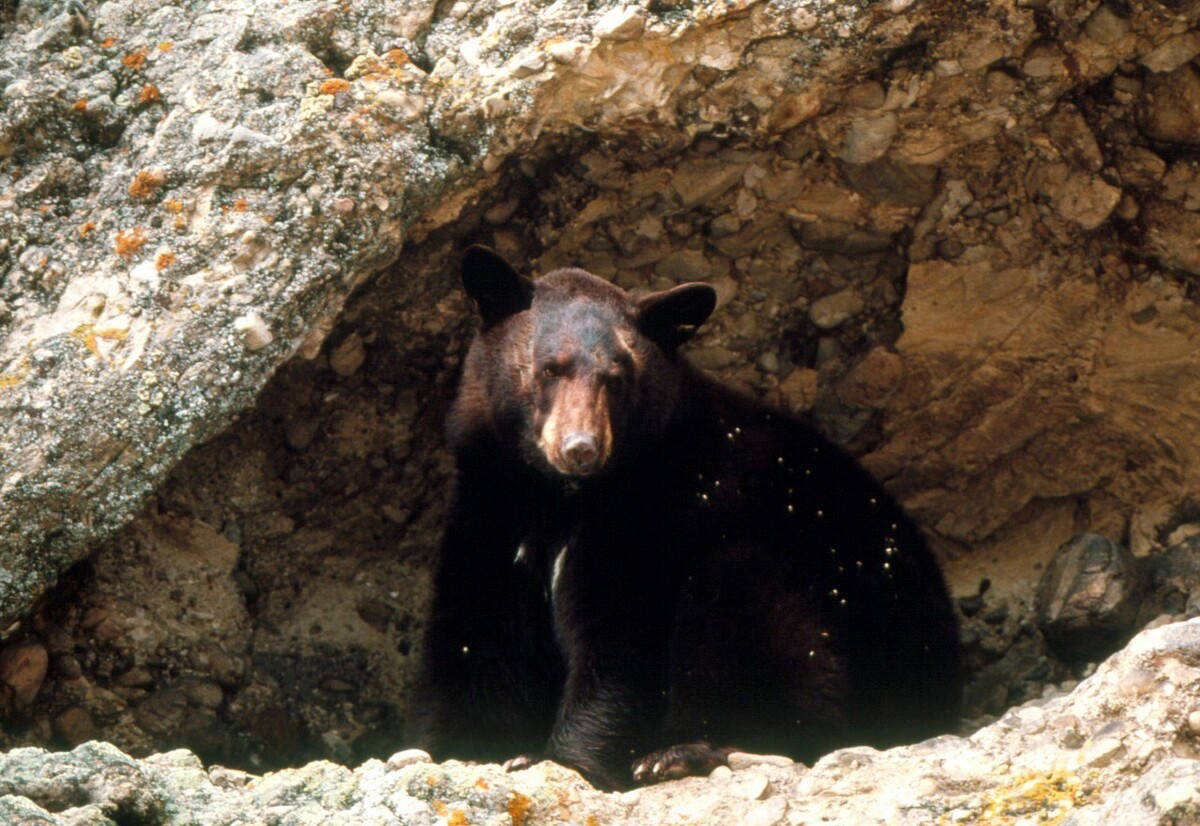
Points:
(1121, 748)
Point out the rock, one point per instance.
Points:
(799, 389)
(22, 670)
(1080, 197)
(831, 310)
(704, 180)
(1170, 106)
(1088, 597)
(893, 181)
(1074, 139)
(1125, 770)
(621, 23)
(1173, 52)
(1170, 235)
(347, 357)
(684, 265)
(868, 138)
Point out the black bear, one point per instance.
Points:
(644, 569)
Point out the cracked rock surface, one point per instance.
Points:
(1123, 747)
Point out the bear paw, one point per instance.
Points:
(684, 760)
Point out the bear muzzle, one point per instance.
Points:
(580, 453)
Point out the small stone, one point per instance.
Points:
(721, 773)
(567, 51)
(1105, 26)
(1170, 106)
(684, 265)
(867, 139)
(348, 356)
(703, 180)
(408, 757)
(743, 760)
(74, 725)
(620, 23)
(255, 332)
(23, 668)
(870, 382)
(799, 389)
(1193, 722)
(1173, 53)
(750, 786)
(831, 310)
(1087, 597)
(1100, 753)
(724, 224)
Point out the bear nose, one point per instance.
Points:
(580, 451)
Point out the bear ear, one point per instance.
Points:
(496, 287)
(672, 316)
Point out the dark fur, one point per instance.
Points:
(732, 578)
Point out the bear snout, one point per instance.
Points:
(581, 453)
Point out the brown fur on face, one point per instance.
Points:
(556, 373)
(575, 408)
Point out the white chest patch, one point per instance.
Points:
(556, 572)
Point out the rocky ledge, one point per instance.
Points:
(1121, 748)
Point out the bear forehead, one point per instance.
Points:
(574, 309)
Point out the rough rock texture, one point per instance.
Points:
(1123, 747)
(1088, 597)
(961, 236)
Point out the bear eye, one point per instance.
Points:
(552, 370)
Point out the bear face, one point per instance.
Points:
(560, 365)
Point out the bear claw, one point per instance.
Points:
(684, 760)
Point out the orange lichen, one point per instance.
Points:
(164, 260)
(518, 807)
(173, 204)
(149, 94)
(591, 821)
(239, 205)
(145, 182)
(165, 46)
(480, 783)
(129, 242)
(333, 86)
(135, 60)
(8, 380)
(457, 818)
(108, 43)
(397, 56)
(80, 105)
(85, 228)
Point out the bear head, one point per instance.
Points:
(570, 370)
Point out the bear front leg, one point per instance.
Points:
(491, 675)
(602, 725)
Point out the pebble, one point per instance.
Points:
(831, 310)
(23, 668)
(255, 332)
(408, 757)
(348, 356)
(744, 760)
